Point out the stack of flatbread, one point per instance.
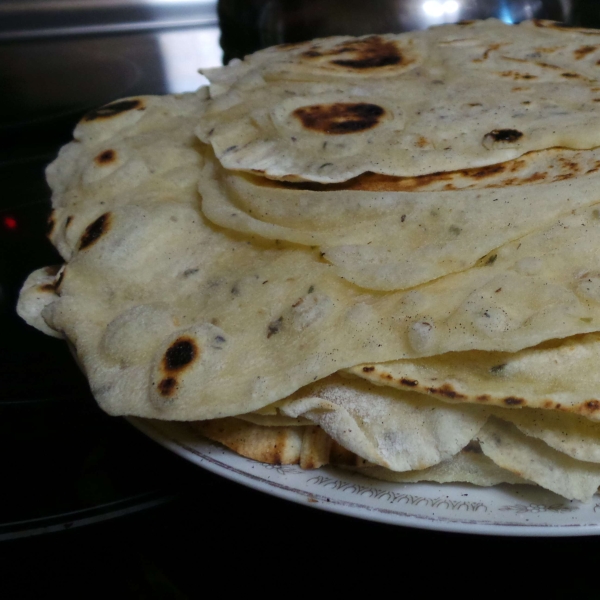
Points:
(379, 252)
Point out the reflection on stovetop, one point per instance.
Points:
(33, 19)
(48, 84)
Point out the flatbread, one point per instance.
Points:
(560, 375)
(134, 149)
(252, 311)
(408, 104)
(277, 420)
(572, 435)
(533, 460)
(465, 467)
(508, 457)
(38, 291)
(384, 238)
(399, 431)
(174, 318)
(310, 447)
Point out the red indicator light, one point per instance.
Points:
(10, 222)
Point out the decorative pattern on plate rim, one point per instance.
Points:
(395, 497)
(540, 508)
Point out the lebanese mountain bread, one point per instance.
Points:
(407, 104)
(384, 239)
(559, 375)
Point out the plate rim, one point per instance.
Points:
(346, 508)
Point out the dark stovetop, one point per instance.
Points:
(76, 482)
(81, 466)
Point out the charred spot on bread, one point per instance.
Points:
(94, 231)
(340, 118)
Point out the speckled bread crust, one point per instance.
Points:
(388, 233)
(558, 374)
(451, 97)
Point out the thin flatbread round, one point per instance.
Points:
(561, 375)
(402, 432)
(416, 103)
(465, 467)
(386, 239)
(533, 460)
(573, 435)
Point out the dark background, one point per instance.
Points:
(89, 507)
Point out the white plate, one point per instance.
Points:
(503, 510)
